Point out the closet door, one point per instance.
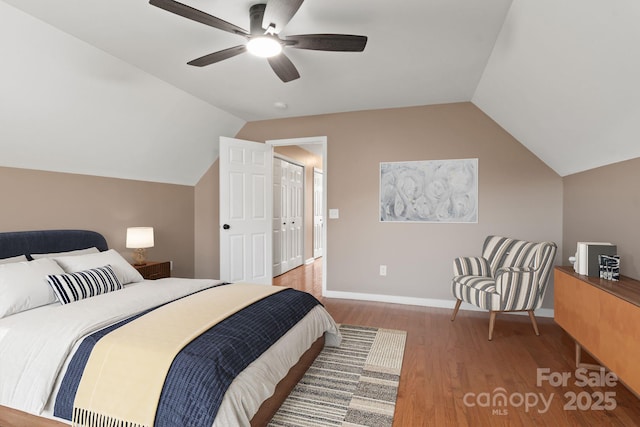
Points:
(279, 221)
(288, 210)
(296, 185)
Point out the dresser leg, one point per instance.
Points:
(579, 363)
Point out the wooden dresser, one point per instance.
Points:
(153, 270)
(603, 317)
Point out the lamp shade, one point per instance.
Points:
(139, 237)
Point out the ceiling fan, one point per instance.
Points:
(266, 22)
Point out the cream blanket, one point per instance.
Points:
(123, 379)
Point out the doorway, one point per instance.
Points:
(317, 146)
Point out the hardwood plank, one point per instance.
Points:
(444, 361)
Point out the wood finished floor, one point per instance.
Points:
(444, 361)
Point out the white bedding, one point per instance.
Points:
(35, 346)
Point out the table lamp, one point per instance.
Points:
(139, 239)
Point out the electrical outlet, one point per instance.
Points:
(383, 270)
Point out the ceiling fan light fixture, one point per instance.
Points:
(264, 46)
(266, 22)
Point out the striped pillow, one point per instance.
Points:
(84, 284)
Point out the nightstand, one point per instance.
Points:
(153, 270)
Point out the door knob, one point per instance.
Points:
(226, 226)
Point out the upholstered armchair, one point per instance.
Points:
(511, 275)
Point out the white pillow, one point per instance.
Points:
(23, 285)
(124, 271)
(93, 250)
(13, 259)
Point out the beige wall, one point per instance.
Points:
(36, 200)
(207, 219)
(519, 195)
(603, 204)
(310, 161)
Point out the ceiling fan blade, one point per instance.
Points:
(221, 55)
(283, 67)
(279, 13)
(330, 42)
(256, 14)
(197, 15)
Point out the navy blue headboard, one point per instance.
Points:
(46, 241)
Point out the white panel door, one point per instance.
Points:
(245, 211)
(318, 213)
(288, 212)
(279, 217)
(285, 209)
(296, 212)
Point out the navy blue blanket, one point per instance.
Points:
(203, 370)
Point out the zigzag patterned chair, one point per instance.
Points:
(511, 275)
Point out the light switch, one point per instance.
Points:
(334, 214)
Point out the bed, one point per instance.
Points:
(238, 349)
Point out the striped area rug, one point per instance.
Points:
(355, 384)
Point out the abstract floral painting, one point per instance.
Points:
(429, 191)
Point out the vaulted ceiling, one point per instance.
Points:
(560, 76)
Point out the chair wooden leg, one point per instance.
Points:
(492, 321)
(455, 310)
(533, 320)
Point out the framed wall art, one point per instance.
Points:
(429, 191)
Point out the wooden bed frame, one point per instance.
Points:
(18, 243)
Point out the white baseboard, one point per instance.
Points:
(309, 261)
(424, 302)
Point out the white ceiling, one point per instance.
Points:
(564, 80)
(424, 52)
(561, 76)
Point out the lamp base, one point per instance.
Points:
(139, 256)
